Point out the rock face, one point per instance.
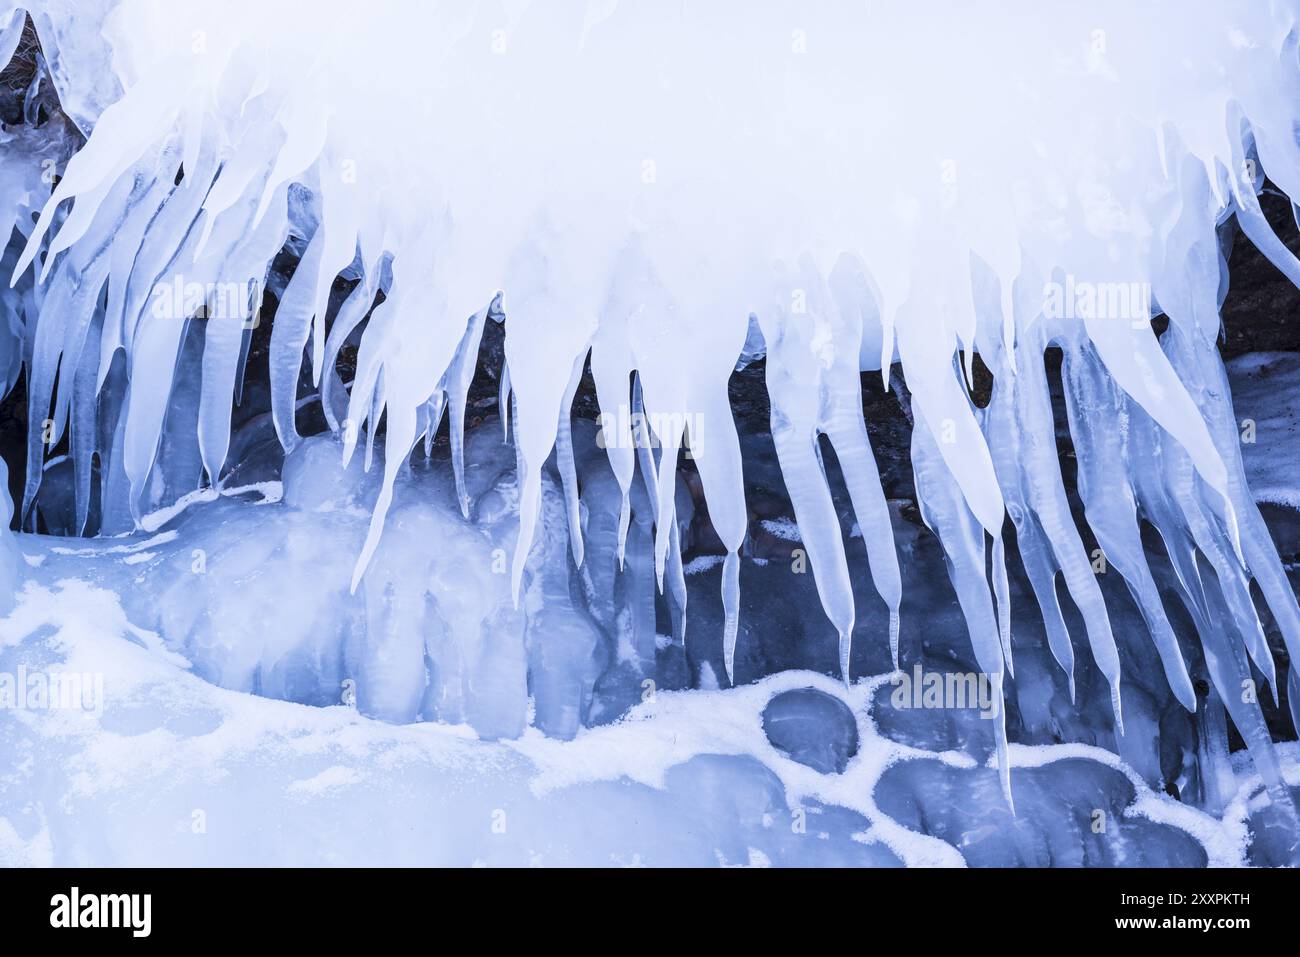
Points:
(813, 728)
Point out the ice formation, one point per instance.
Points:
(648, 200)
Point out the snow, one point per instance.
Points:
(701, 564)
(782, 528)
(189, 773)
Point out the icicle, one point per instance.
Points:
(349, 316)
(848, 434)
(82, 428)
(547, 332)
(457, 381)
(433, 410)
(75, 292)
(1020, 419)
(1229, 671)
(819, 524)
(339, 222)
(1218, 781)
(378, 402)
(245, 344)
(815, 389)
(115, 514)
(1230, 575)
(1041, 568)
(141, 118)
(1293, 695)
(1101, 450)
(398, 440)
(1260, 233)
(305, 124)
(503, 400)
(939, 399)
(59, 332)
(1181, 492)
(649, 470)
(611, 369)
(369, 373)
(228, 331)
(612, 602)
(564, 461)
(1133, 358)
(154, 343)
(246, 165)
(405, 378)
(795, 437)
(1178, 526)
(664, 492)
(126, 246)
(1002, 592)
(1200, 367)
(946, 513)
(289, 335)
(731, 614)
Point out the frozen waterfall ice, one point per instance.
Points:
(517, 368)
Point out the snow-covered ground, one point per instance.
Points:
(165, 768)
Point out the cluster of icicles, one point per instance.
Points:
(629, 186)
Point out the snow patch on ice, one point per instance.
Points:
(701, 564)
(783, 528)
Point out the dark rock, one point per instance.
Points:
(813, 728)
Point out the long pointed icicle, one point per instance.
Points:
(813, 391)
(432, 418)
(795, 429)
(289, 336)
(238, 260)
(611, 369)
(350, 314)
(947, 515)
(156, 336)
(564, 462)
(1002, 592)
(649, 470)
(1109, 502)
(1180, 487)
(1045, 494)
(848, 435)
(1041, 569)
(82, 426)
(59, 332)
(456, 384)
(503, 400)
(1199, 364)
